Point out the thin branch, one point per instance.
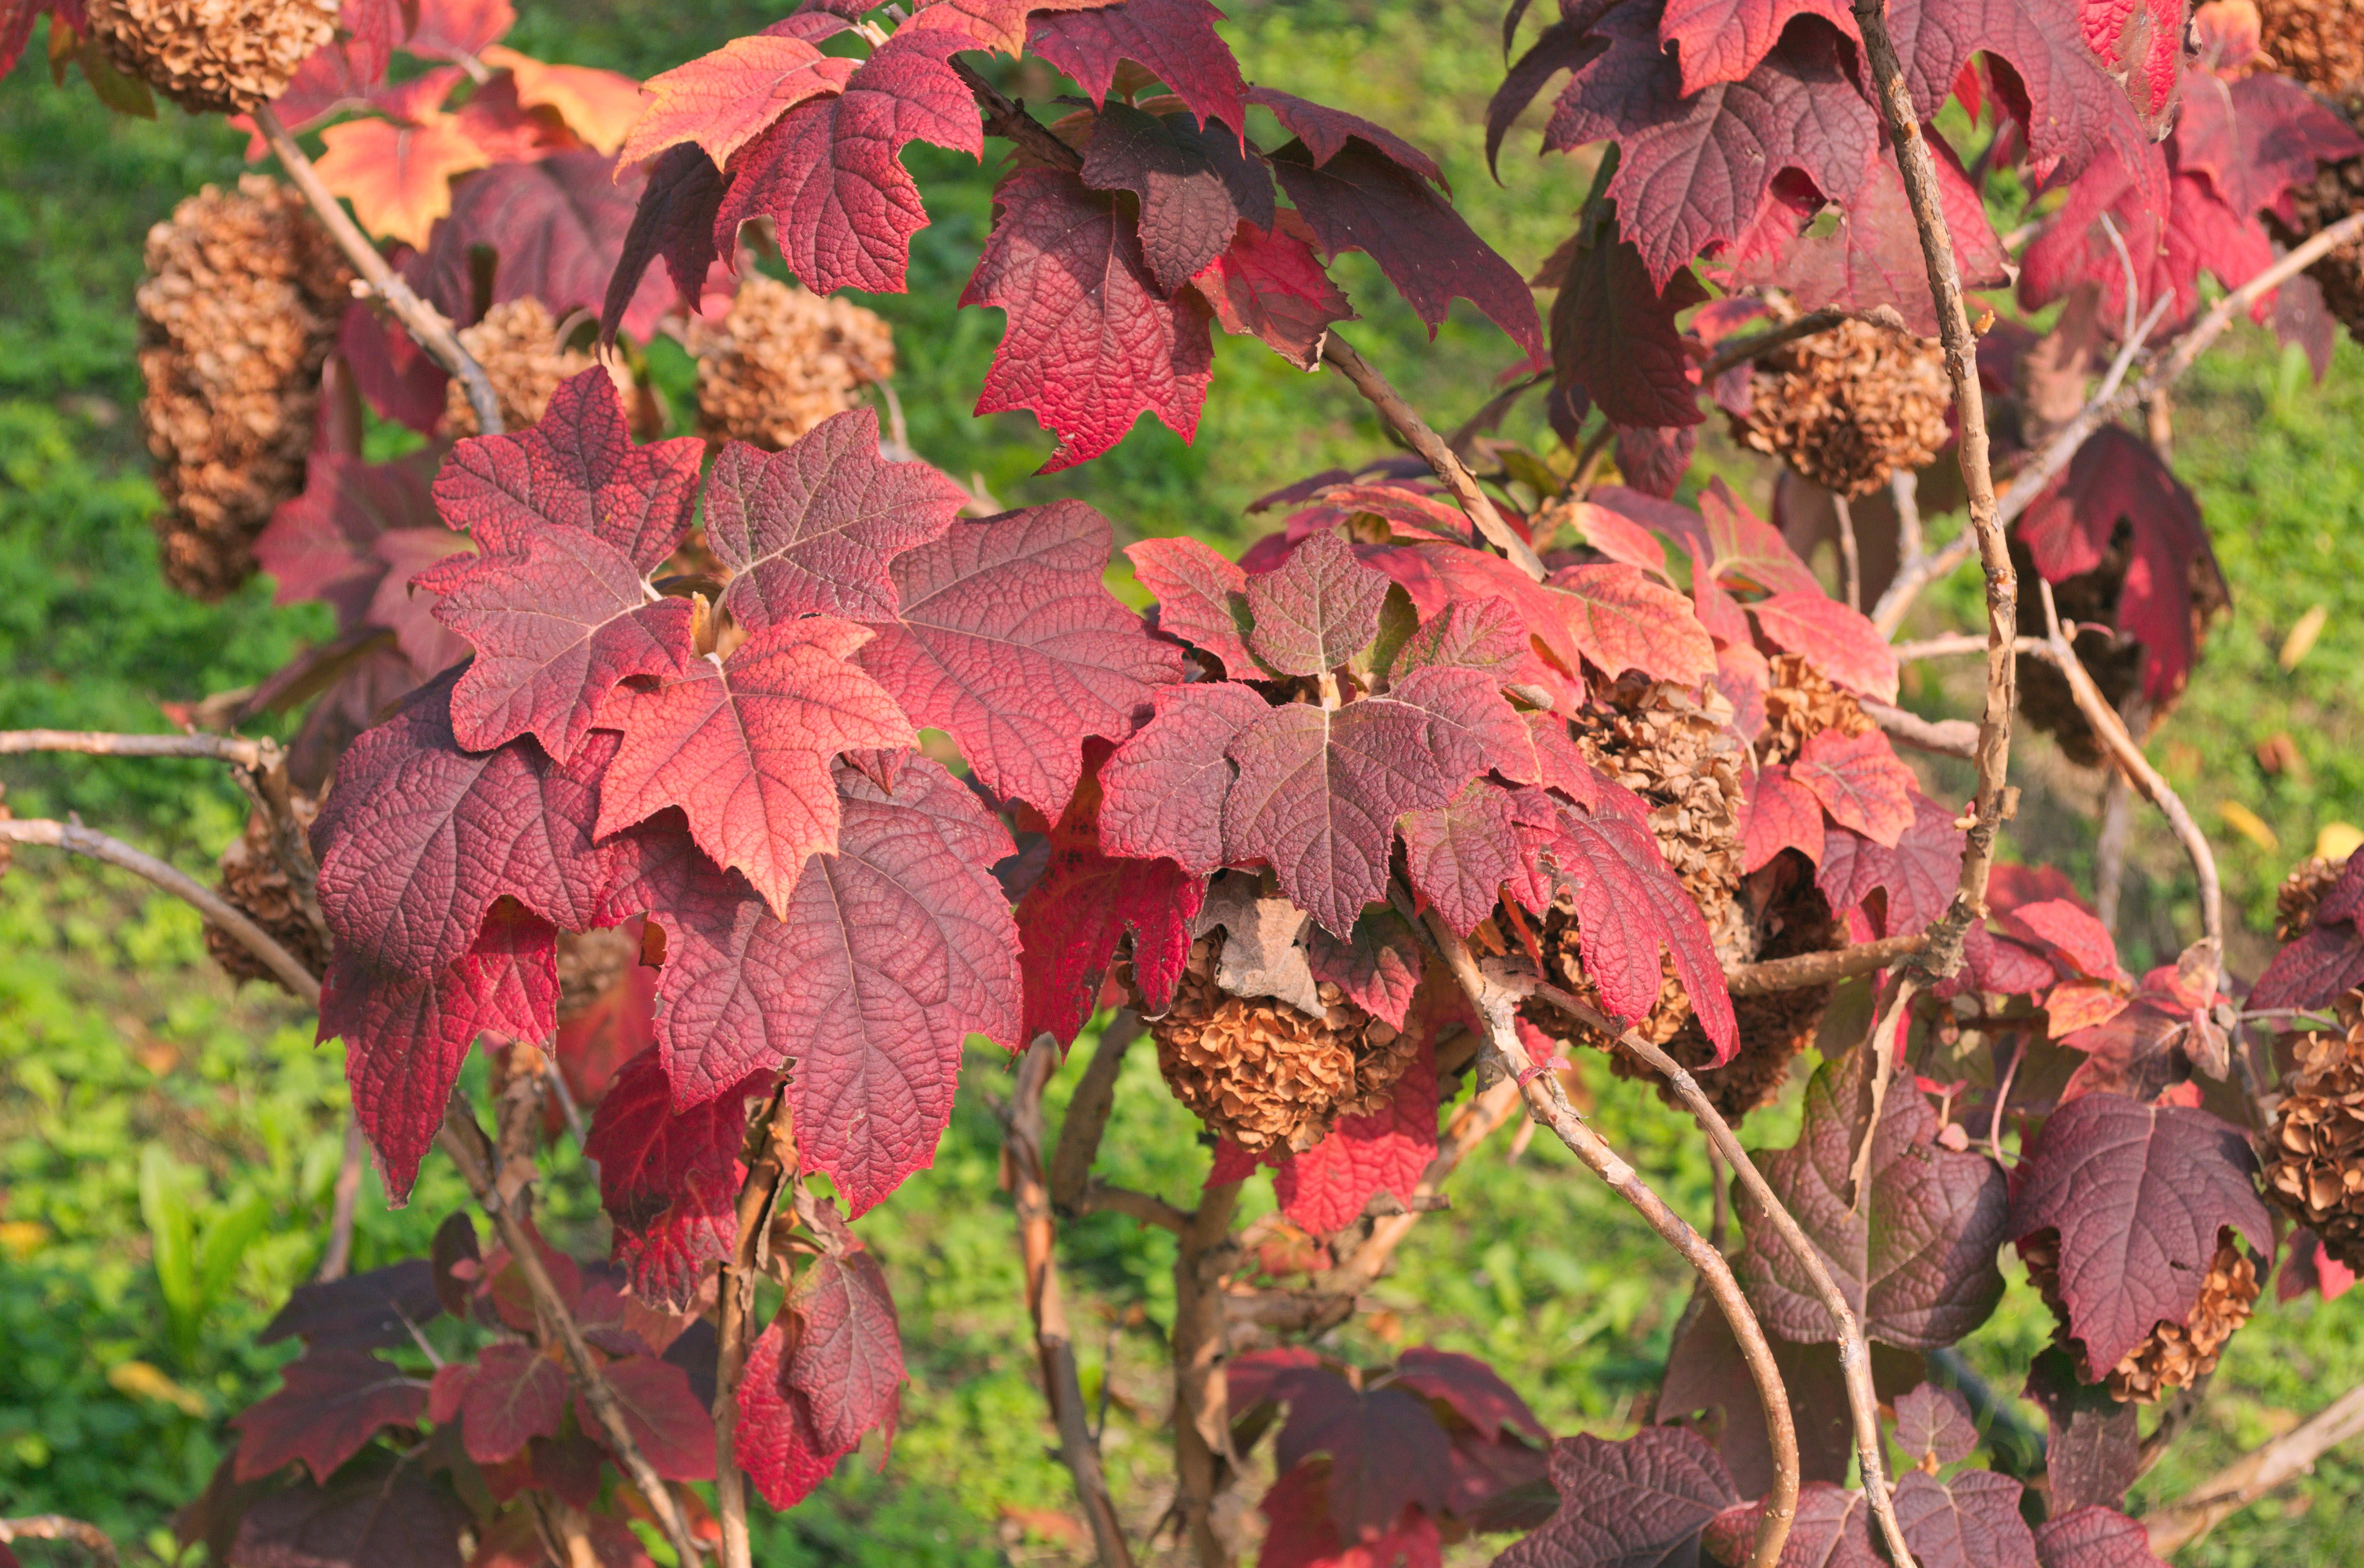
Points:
(1088, 1109)
(1037, 1239)
(345, 1202)
(1919, 167)
(1904, 489)
(2255, 1475)
(1740, 351)
(81, 840)
(759, 1194)
(1339, 356)
(1806, 969)
(1854, 1351)
(1007, 117)
(1493, 411)
(1943, 736)
(465, 1143)
(58, 1527)
(1850, 559)
(233, 749)
(1916, 573)
(1954, 644)
(1203, 1461)
(1145, 1208)
(1496, 1004)
(423, 320)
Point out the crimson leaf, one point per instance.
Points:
(1722, 40)
(1195, 191)
(1202, 597)
(1174, 41)
(2138, 1193)
(811, 530)
(1915, 1255)
(669, 1181)
(1839, 641)
(1860, 782)
(1641, 1503)
(514, 1393)
(328, 1404)
(1613, 338)
(1273, 286)
(674, 220)
(827, 1369)
(1457, 855)
(1300, 1533)
(1327, 132)
(1831, 1529)
(1009, 640)
(1325, 1189)
(663, 1415)
(556, 228)
(1475, 1391)
(1090, 342)
(1915, 879)
(723, 99)
(1164, 788)
(1378, 968)
(1318, 609)
(1387, 1449)
(1780, 816)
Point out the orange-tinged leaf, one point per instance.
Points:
(2076, 1005)
(600, 106)
(398, 177)
(723, 100)
(994, 24)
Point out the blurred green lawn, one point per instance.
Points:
(121, 1050)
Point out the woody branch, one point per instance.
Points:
(759, 1198)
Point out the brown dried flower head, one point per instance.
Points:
(213, 56)
(783, 360)
(1848, 407)
(517, 342)
(2173, 1355)
(253, 879)
(2315, 1167)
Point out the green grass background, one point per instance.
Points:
(122, 1050)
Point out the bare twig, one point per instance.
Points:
(1850, 561)
(1145, 1208)
(233, 749)
(1740, 351)
(1943, 736)
(420, 319)
(1807, 969)
(81, 840)
(1062, 1388)
(1340, 355)
(472, 1153)
(58, 1527)
(345, 1201)
(759, 1194)
(1496, 1004)
(1854, 1351)
(2255, 1475)
(1904, 489)
(1088, 1109)
(1202, 1418)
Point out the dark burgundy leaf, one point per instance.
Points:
(389, 1514)
(2067, 107)
(1972, 1523)
(667, 1420)
(2138, 1193)
(670, 1182)
(1831, 1529)
(1935, 1426)
(1613, 336)
(674, 219)
(328, 1404)
(1010, 641)
(1300, 1533)
(1917, 877)
(455, 1242)
(2254, 139)
(1379, 969)
(830, 173)
(1327, 132)
(1090, 342)
(2095, 1447)
(1192, 200)
(367, 1312)
(1174, 41)
(1165, 789)
(1655, 458)
(1202, 597)
(320, 545)
(1641, 1503)
(1475, 1390)
(1272, 287)
(1915, 1255)
(2093, 1537)
(515, 1393)
(1386, 1448)
(556, 225)
(1318, 609)
(2315, 971)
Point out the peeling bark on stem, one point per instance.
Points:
(1062, 1389)
(1496, 1002)
(1806, 969)
(420, 319)
(1202, 1414)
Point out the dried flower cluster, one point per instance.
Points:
(213, 56)
(590, 963)
(240, 305)
(2301, 891)
(1265, 1074)
(2338, 190)
(253, 880)
(2316, 1168)
(2321, 42)
(2174, 1355)
(783, 360)
(1849, 407)
(517, 342)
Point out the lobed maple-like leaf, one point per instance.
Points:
(514, 1393)
(2138, 1193)
(1480, 635)
(1613, 338)
(1274, 287)
(1009, 640)
(724, 99)
(1782, 815)
(674, 219)
(1090, 342)
(2143, 40)
(367, 1312)
(668, 1180)
(1936, 1424)
(1475, 1391)
(743, 745)
(1174, 41)
(830, 173)
(381, 1513)
(989, 24)
(1202, 597)
(556, 228)
(665, 1418)
(1915, 879)
(890, 953)
(1458, 855)
(1300, 1534)
(1642, 1501)
(320, 545)
(1385, 1449)
(1326, 1188)
(1839, 641)
(1971, 1522)
(1724, 40)
(328, 1404)
(2093, 1537)
(1318, 609)
(1830, 1529)
(1623, 620)
(1914, 1252)
(2254, 139)
(1164, 788)
(827, 1369)
(1860, 782)
(811, 529)
(1195, 187)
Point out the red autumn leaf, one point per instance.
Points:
(662, 1414)
(447, 30)
(422, 838)
(1860, 782)
(1087, 902)
(1484, 634)
(892, 952)
(1300, 1533)
(515, 1393)
(405, 609)
(2132, 188)
(1622, 620)
(1782, 815)
(2071, 929)
(1200, 597)
(1831, 1529)
(1325, 1189)
(1916, 878)
(770, 1443)
(1644, 1500)
(320, 545)
(1971, 1522)
(599, 106)
(556, 228)
(1164, 788)
(989, 24)
(1934, 1423)
(1457, 855)
(1628, 907)
(1724, 40)
(1475, 1391)
(2093, 1537)
(674, 219)
(1090, 343)
(829, 1369)
(382, 1512)
(1318, 609)
(2115, 476)
(618, 1026)
(328, 1404)
(830, 173)
(1840, 642)
(2142, 40)
(743, 745)
(722, 100)
(2138, 1193)
(405, 1036)
(398, 177)
(1613, 338)
(1388, 1453)
(2254, 139)
(1195, 187)
(1009, 641)
(1378, 968)
(1274, 287)
(576, 468)
(669, 1181)
(1174, 41)
(811, 530)
(1914, 1252)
